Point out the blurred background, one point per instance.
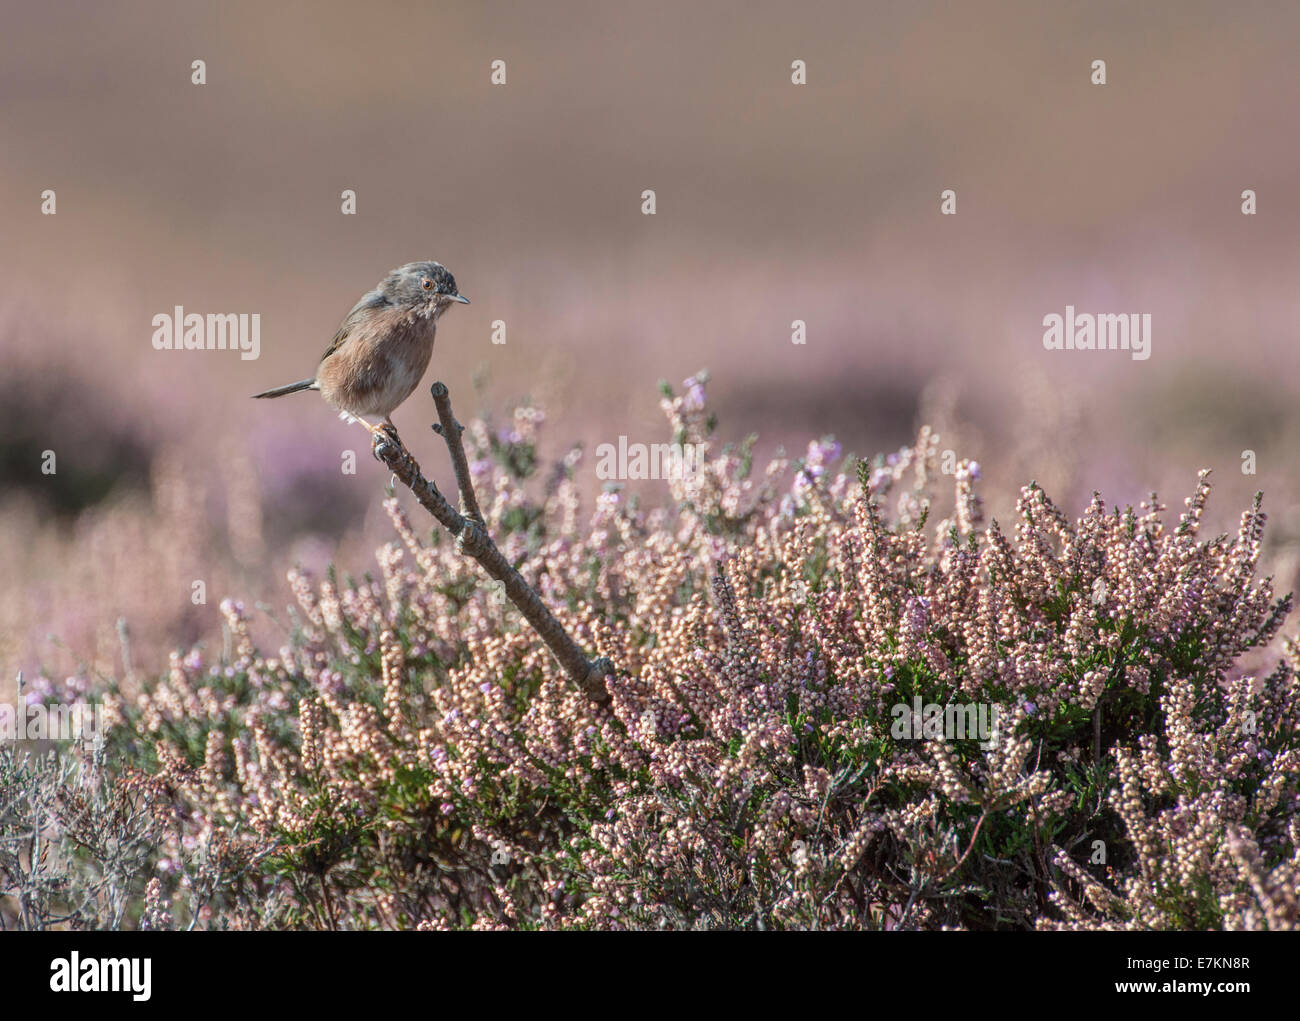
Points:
(775, 202)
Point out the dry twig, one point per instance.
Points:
(470, 532)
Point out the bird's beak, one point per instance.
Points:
(461, 298)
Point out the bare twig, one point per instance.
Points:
(472, 539)
(450, 431)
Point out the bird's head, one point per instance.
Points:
(426, 288)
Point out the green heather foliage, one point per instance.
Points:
(413, 756)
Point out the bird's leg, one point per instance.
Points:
(380, 435)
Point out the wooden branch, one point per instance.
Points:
(472, 539)
(450, 431)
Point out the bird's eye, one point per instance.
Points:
(427, 284)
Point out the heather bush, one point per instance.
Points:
(413, 756)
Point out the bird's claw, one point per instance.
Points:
(382, 436)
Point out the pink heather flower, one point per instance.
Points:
(694, 398)
(732, 779)
(821, 454)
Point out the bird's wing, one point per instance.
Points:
(372, 300)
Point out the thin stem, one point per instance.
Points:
(451, 431)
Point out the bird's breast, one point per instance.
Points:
(376, 370)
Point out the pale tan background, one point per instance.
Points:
(775, 202)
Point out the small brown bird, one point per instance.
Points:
(380, 352)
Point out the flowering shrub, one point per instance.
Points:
(412, 756)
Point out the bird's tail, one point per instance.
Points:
(292, 388)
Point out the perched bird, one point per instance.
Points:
(380, 352)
